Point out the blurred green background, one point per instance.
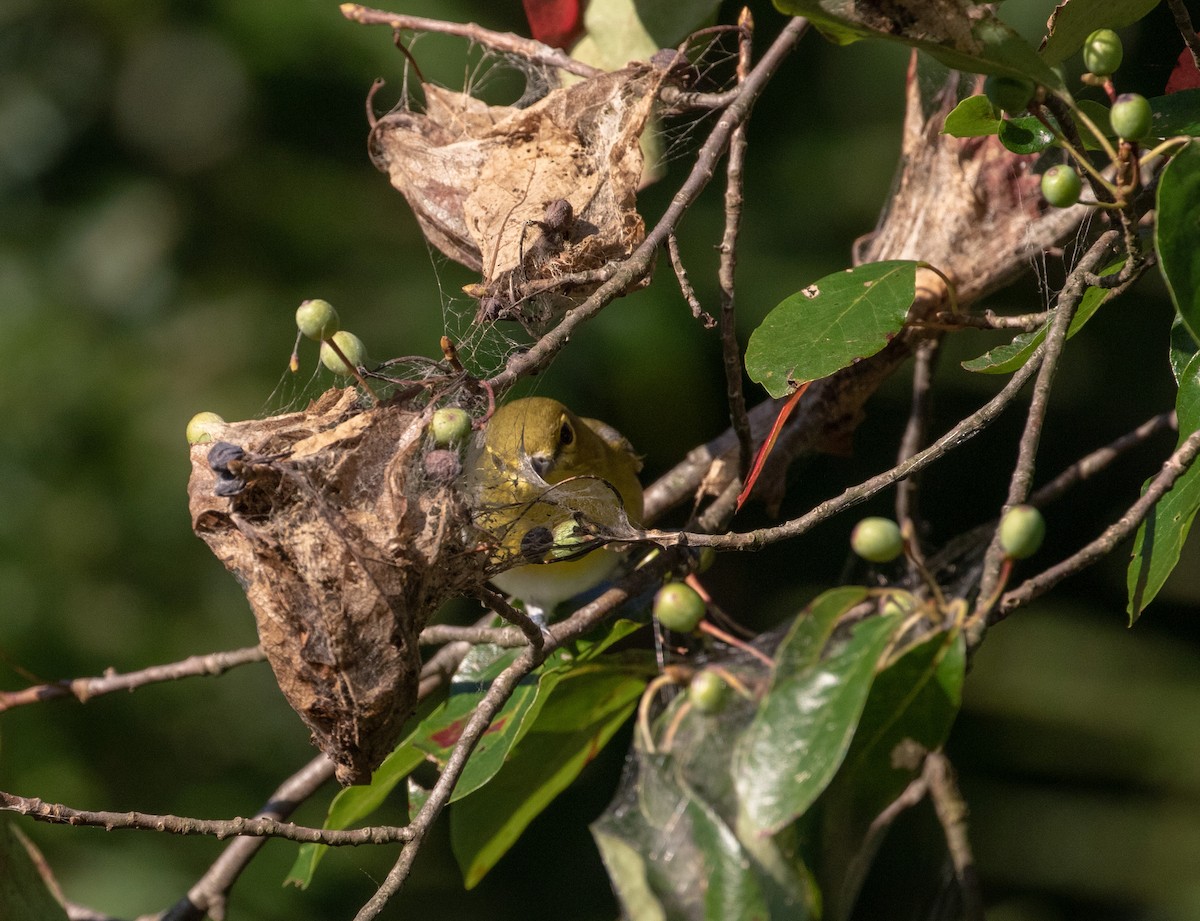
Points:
(175, 177)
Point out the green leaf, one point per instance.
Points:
(1176, 114)
(974, 117)
(1177, 234)
(670, 853)
(830, 324)
(586, 708)
(1025, 135)
(1072, 22)
(804, 726)
(24, 894)
(963, 35)
(1161, 536)
(804, 643)
(440, 732)
(353, 804)
(1183, 349)
(910, 710)
(1006, 358)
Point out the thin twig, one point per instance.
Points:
(1172, 470)
(1183, 22)
(1091, 464)
(84, 689)
(731, 352)
(1021, 480)
(952, 815)
(959, 434)
(505, 42)
(685, 286)
(916, 432)
(1027, 322)
(210, 894)
(437, 634)
(639, 262)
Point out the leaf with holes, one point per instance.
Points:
(831, 324)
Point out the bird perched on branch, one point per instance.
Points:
(550, 488)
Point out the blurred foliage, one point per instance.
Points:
(175, 178)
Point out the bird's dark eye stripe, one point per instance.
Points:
(566, 434)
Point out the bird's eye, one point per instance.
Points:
(566, 434)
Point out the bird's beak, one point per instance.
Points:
(541, 464)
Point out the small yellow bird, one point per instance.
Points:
(545, 485)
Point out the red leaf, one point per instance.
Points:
(555, 22)
(1184, 76)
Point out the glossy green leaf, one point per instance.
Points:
(830, 324)
(1006, 358)
(962, 35)
(584, 711)
(1072, 22)
(24, 894)
(804, 643)
(804, 726)
(974, 117)
(671, 854)
(1177, 233)
(1025, 135)
(1176, 114)
(1182, 350)
(910, 710)
(1161, 536)
(353, 804)
(441, 730)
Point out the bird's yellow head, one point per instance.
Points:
(541, 467)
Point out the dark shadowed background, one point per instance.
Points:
(176, 177)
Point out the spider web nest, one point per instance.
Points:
(344, 549)
(344, 535)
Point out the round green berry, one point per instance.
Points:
(1131, 116)
(708, 692)
(317, 319)
(1061, 186)
(352, 347)
(567, 540)
(877, 540)
(678, 608)
(450, 426)
(1011, 94)
(1021, 531)
(202, 427)
(1102, 52)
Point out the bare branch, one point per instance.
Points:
(84, 689)
(505, 42)
(636, 266)
(952, 814)
(1183, 21)
(1172, 470)
(731, 352)
(962, 432)
(685, 286)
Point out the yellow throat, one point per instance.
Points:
(542, 472)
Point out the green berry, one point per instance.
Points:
(567, 540)
(1011, 94)
(352, 347)
(708, 692)
(202, 427)
(1102, 52)
(1061, 186)
(1021, 531)
(317, 319)
(1131, 116)
(450, 426)
(877, 540)
(678, 607)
